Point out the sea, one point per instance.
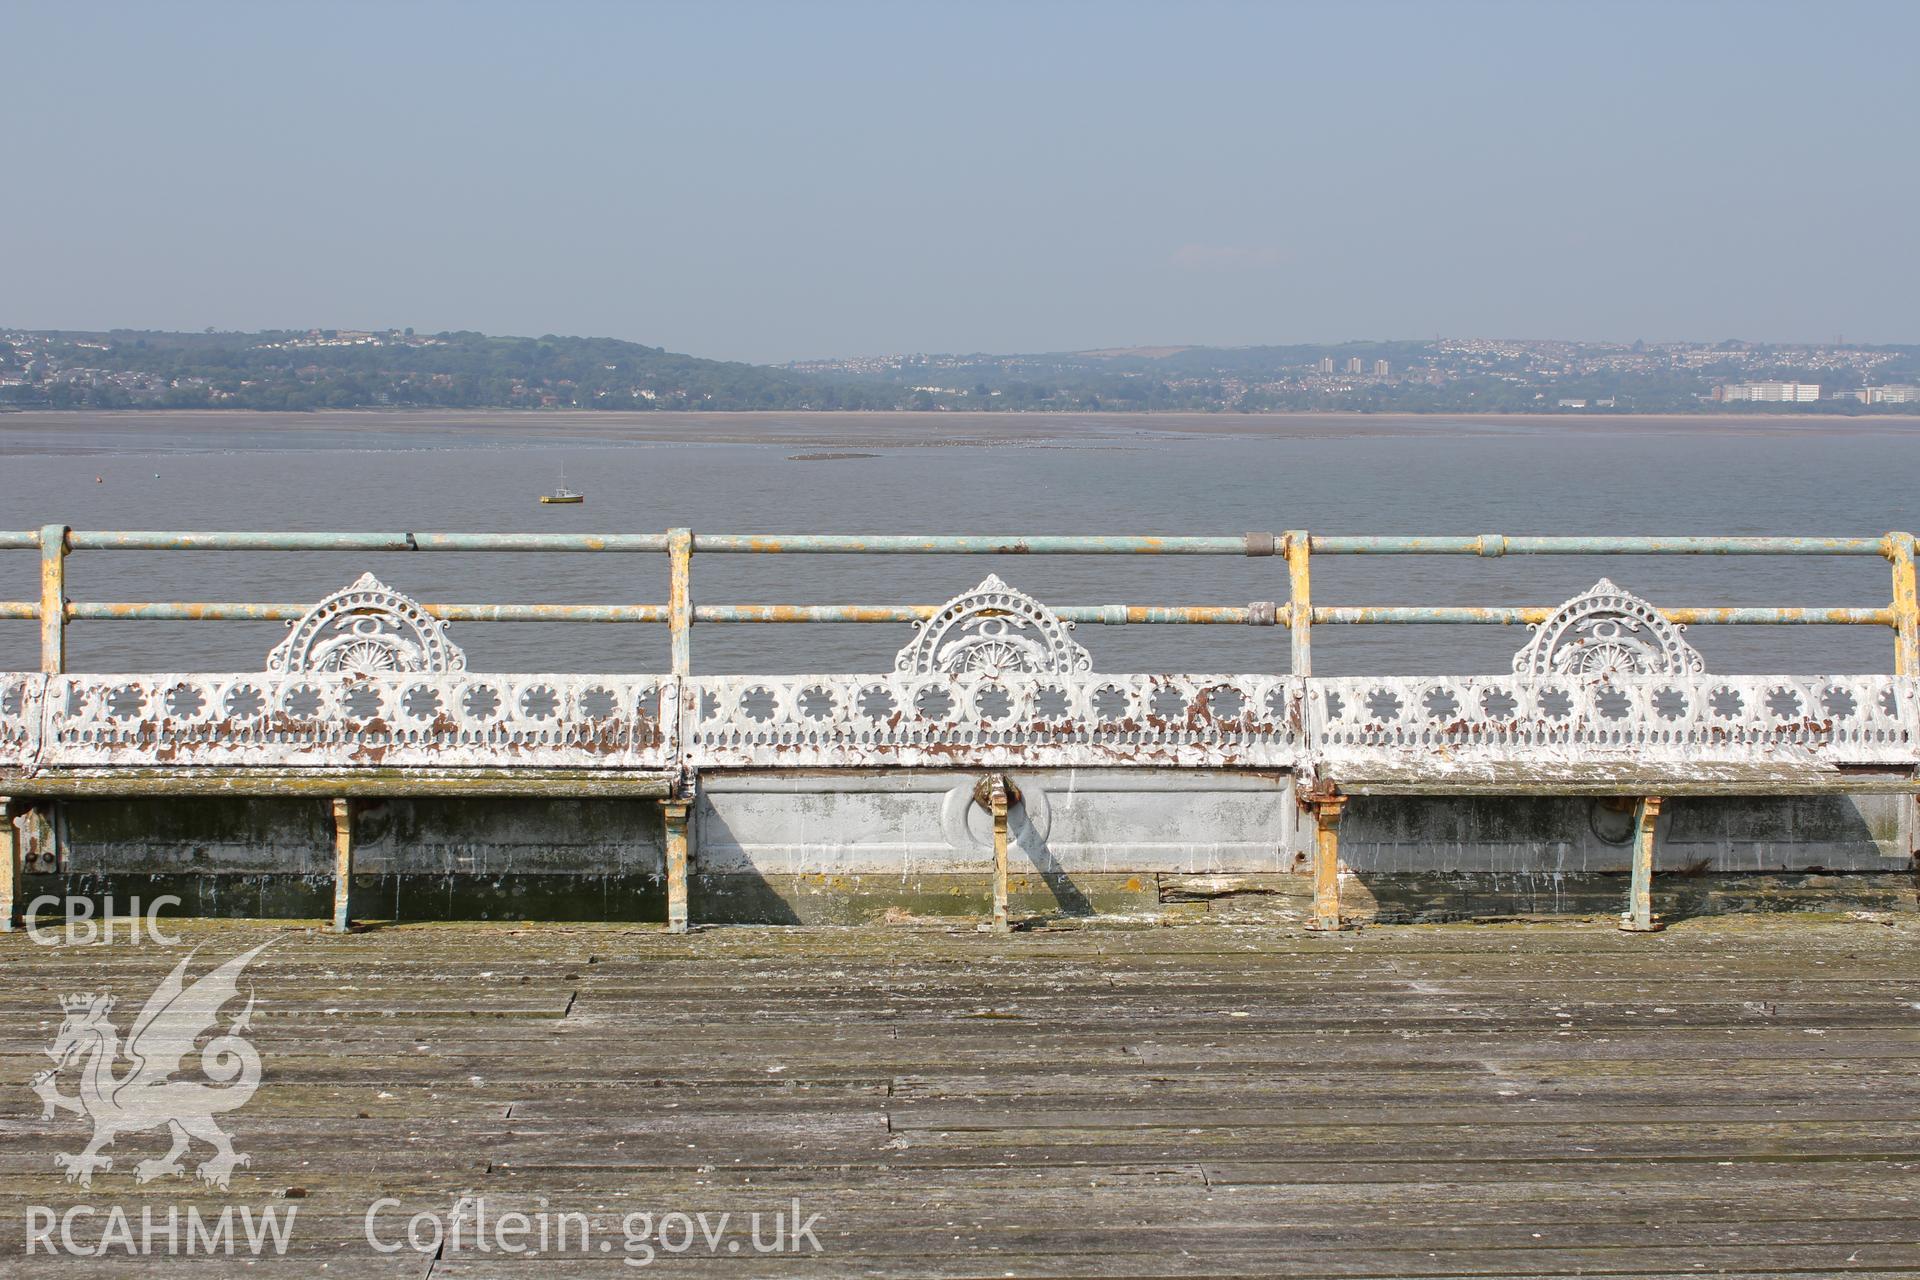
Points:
(936, 473)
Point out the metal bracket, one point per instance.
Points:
(1260, 544)
(343, 812)
(997, 795)
(983, 790)
(1327, 806)
(674, 812)
(1639, 917)
(9, 862)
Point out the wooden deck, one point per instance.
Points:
(1519, 1100)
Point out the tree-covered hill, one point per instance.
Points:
(345, 369)
(396, 368)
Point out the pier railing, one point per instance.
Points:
(680, 613)
(367, 696)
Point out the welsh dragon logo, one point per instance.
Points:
(145, 1095)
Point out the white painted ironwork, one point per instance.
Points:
(366, 629)
(393, 719)
(992, 680)
(993, 630)
(1344, 725)
(20, 717)
(1607, 631)
(1369, 726)
(987, 720)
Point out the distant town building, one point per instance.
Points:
(1774, 392)
(1381, 368)
(1892, 393)
(1353, 364)
(1571, 404)
(1326, 364)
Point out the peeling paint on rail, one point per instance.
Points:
(53, 611)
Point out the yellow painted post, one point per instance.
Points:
(680, 599)
(1300, 616)
(1898, 548)
(1906, 605)
(1327, 811)
(342, 863)
(53, 599)
(675, 813)
(9, 863)
(997, 796)
(53, 639)
(1638, 917)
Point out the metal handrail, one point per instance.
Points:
(1485, 544)
(55, 542)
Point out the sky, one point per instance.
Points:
(771, 182)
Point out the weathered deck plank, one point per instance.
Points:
(1736, 1095)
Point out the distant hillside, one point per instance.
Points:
(397, 368)
(1446, 375)
(346, 369)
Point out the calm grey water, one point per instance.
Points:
(932, 475)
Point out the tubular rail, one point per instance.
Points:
(54, 610)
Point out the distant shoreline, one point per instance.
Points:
(377, 371)
(452, 416)
(134, 431)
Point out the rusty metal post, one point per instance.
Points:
(997, 796)
(1300, 616)
(675, 813)
(674, 809)
(54, 544)
(53, 599)
(680, 598)
(1638, 917)
(1906, 606)
(1327, 810)
(1906, 661)
(9, 863)
(342, 863)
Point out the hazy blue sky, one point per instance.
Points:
(770, 182)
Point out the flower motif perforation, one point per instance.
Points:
(411, 720)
